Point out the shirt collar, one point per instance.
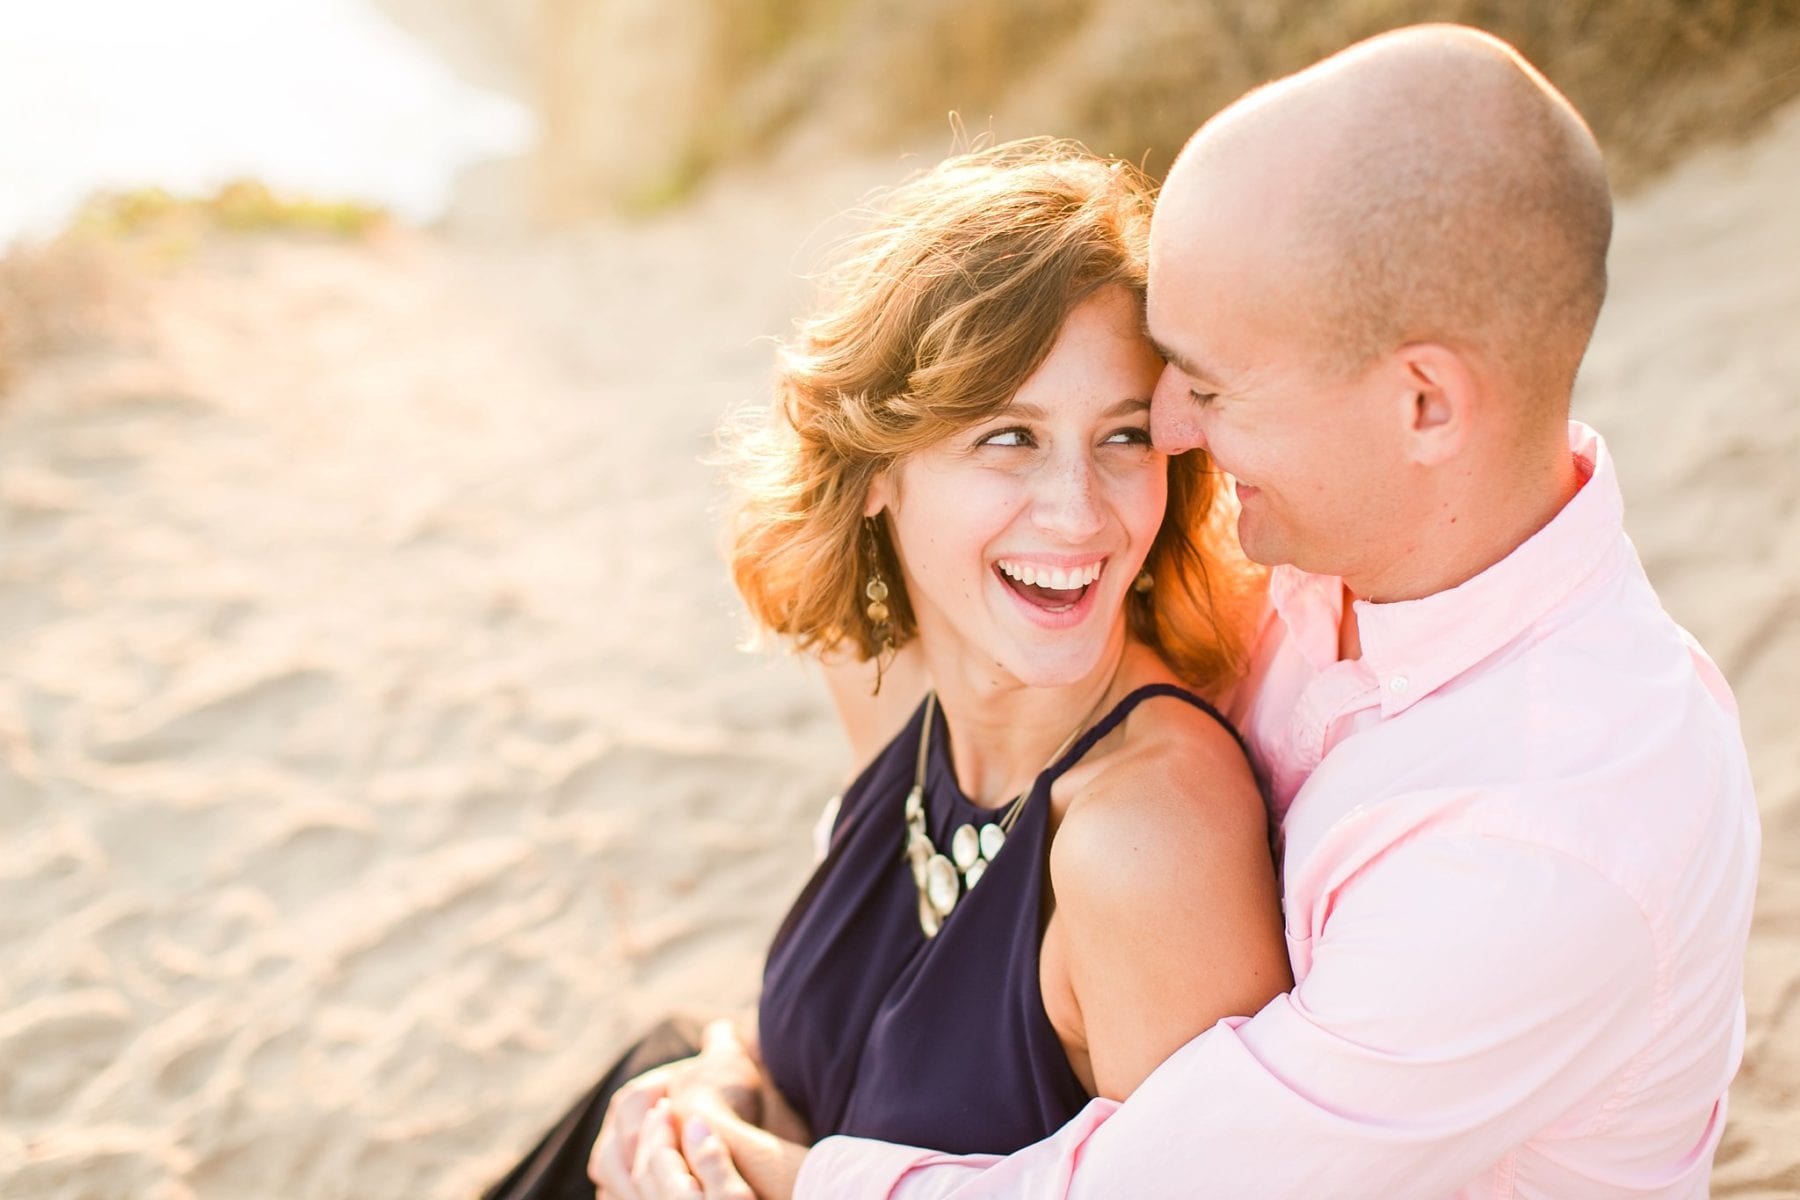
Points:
(1414, 647)
(1310, 608)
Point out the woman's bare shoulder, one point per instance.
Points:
(1175, 790)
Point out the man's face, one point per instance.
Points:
(1312, 450)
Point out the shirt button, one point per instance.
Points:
(1397, 684)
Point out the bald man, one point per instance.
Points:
(1517, 833)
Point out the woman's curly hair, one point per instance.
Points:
(929, 324)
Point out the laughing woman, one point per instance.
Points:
(1056, 871)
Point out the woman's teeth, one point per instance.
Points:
(1056, 578)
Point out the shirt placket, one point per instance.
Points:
(1336, 693)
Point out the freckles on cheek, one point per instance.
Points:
(1150, 500)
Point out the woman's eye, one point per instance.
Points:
(1202, 398)
(1133, 436)
(1007, 437)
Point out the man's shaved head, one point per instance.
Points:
(1373, 283)
(1427, 185)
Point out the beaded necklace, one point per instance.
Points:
(942, 880)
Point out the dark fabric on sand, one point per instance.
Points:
(556, 1168)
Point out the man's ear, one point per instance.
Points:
(1441, 401)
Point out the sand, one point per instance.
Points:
(376, 751)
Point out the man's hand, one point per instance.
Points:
(722, 1077)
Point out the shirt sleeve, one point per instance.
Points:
(1464, 993)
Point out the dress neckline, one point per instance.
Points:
(944, 790)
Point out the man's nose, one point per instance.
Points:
(1176, 423)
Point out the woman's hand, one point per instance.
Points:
(700, 1168)
(746, 1156)
(722, 1077)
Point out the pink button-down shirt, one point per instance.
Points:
(1519, 851)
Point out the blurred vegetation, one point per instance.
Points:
(243, 206)
(56, 293)
(1128, 77)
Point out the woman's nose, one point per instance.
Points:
(1068, 505)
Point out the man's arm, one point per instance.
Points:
(1465, 991)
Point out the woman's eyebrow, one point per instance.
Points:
(1031, 412)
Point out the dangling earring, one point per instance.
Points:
(1144, 582)
(881, 626)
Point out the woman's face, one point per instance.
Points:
(1020, 537)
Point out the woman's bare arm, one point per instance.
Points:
(1167, 915)
(871, 718)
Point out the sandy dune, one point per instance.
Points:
(375, 752)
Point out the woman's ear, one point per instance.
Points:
(880, 493)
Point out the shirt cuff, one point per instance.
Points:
(845, 1166)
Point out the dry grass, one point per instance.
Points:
(244, 206)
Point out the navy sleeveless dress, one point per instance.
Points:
(871, 1029)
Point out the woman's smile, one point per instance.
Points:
(1051, 593)
(1018, 538)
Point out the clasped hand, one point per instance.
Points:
(669, 1133)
